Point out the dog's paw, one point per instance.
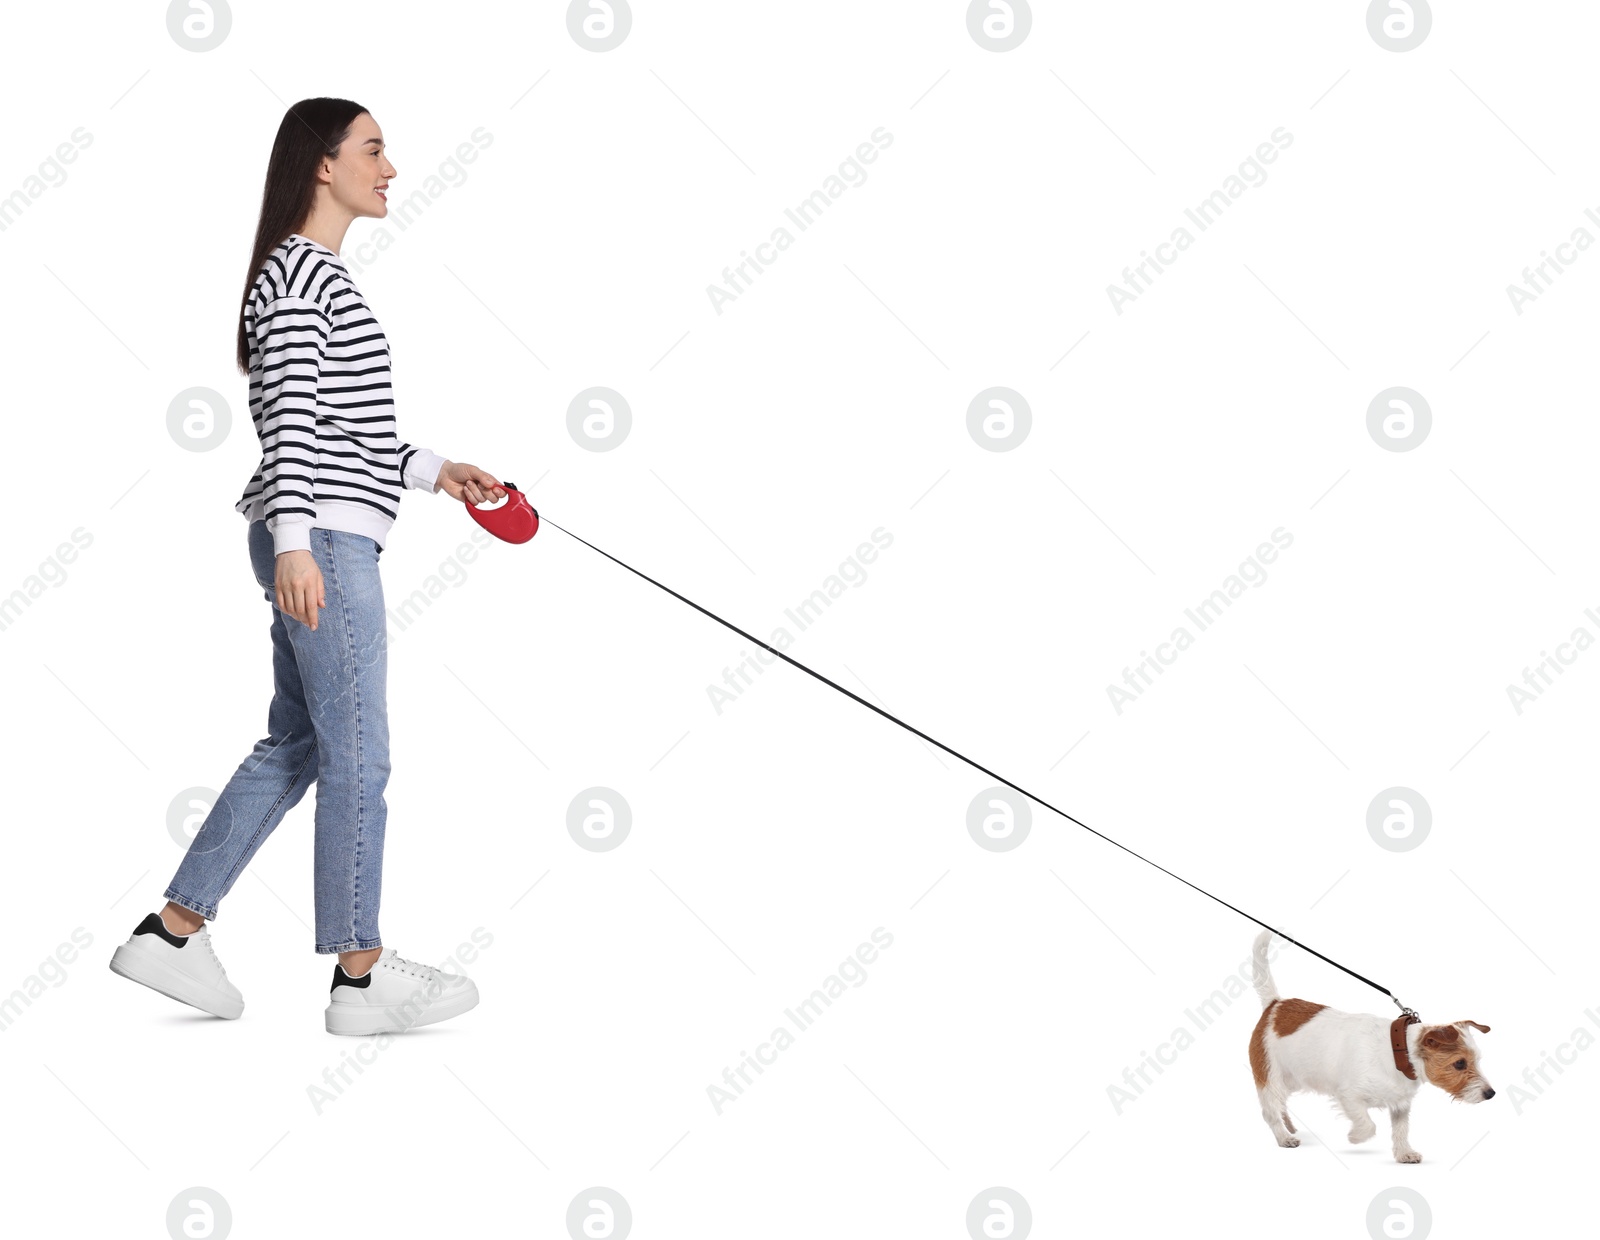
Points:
(1289, 1143)
(1408, 1156)
(1358, 1135)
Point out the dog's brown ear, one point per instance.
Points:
(1441, 1035)
(1475, 1025)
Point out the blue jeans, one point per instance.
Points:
(328, 722)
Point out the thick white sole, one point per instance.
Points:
(139, 966)
(360, 1020)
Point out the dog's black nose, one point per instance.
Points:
(1487, 1093)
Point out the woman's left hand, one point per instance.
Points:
(469, 484)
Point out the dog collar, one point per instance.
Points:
(1397, 1043)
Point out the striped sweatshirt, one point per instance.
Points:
(322, 405)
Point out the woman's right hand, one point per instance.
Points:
(298, 582)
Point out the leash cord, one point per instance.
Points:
(1031, 796)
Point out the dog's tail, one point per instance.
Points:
(1265, 987)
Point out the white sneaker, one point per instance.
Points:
(394, 995)
(181, 966)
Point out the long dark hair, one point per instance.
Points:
(311, 131)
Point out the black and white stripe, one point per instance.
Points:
(322, 405)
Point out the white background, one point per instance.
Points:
(767, 444)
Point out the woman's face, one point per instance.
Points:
(360, 176)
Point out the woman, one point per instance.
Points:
(319, 510)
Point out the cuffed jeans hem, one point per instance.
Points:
(354, 945)
(209, 912)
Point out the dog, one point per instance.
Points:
(1355, 1059)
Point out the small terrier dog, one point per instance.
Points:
(1350, 1057)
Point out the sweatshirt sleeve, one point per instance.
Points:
(419, 468)
(293, 337)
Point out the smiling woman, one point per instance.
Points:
(319, 508)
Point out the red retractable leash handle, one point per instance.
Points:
(514, 521)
